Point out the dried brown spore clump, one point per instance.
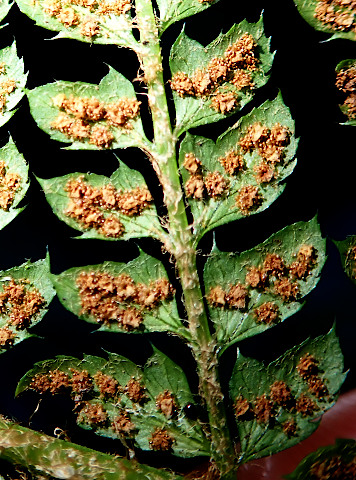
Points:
(133, 202)
(334, 468)
(192, 164)
(135, 391)
(232, 69)
(338, 15)
(273, 265)
(7, 337)
(6, 88)
(195, 187)
(167, 404)
(81, 382)
(264, 172)
(216, 185)
(107, 385)
(233, 163)
(256, 277)
(216, 297)
(89, 28)
(267, 313)
(350, 106)
(129, 318)
(20, 302)
(289, 427)
(346, 82)
(237, 296)
(317, 387)
(280, 393)
(161, 440)
(123, 425)
(158, 291)
(307, 366)
(263, 409)
(286, 289)
(241, 407)
(306, 261)
(40, 383)
(305, 405)
(9, 184)
(93, 414)
(269, 143)
(116, 7)
(249, 198)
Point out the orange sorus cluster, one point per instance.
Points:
(6, 87)
(273, 273)
(199, 186)
(337, 14)
(346, 82)
(88, 204)
(265, 408)
(20, 305)
(119, 299)
(334, 468)
(78, 118)
(232, 69)
(70, 17)
(9, 184)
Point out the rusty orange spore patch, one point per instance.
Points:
(78, 117)
(20, 302)
(161, 440)
(81, 382)
(54, 382)
(233, 163)
(9, 185)
(289, 427)
(236, 297)
(339, 15)
(166, 403)
(7, 337)
(119, 299)
(267, 313)
(232, 69)
(305, 405)
(123, 425)
(135, 391)
(6, 88)
(248, 199)
(241, 406)
(335, 468)
(280, 393)
(263, 409)
(307, 366)
(93, 414)
(346, 82)
(107, 385)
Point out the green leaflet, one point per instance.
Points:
(347, 87)
(307, 9)
(344, 452)
(263, 428)
(99, 22)
(265, 294)
(13, 182)
(26, 293)
(46, 455)
(5, 6)
(12, 82)
(84, 128)
(172, 11)
(156, 315)
(111, 221)
(347, 252)
(188, 56)
(134, 395)
(211, 211)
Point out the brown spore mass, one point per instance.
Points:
(317, 387)
(346, 82)
(237, 296)
(289, 427)
(122, 424)
(224, 102)
(267, 313)
(264, 172)
(334, 468)
(233, 163)
(305, 262)
(9, 184)
(166, 402)
(216, 297)
(263, 409)
(248, 199)
(161, 440)
(338, 15)
(274, 265)
(307, 366)
(216, 185)
(192, 163)
(81, 381)
(256, 278)
(93, 414)
(280, 393)
(286, 289)
(107, 385)
(195, 187)
(305, 405)
(135, 391)
(40, 383)
(7, 337)
(241, 406)
(20, 303)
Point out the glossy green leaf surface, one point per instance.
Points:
(263, 431)
(94, 22)
(307, 8)
(134, 395)
(275, 295)
(144, 271)
(172, 11)
(46, 455)
(12, 82)
(26, 292)
(332, 461)
(125, 181)
(188, 56)
(113, 89)
(13, 182)
(212, 211)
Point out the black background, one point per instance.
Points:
(323, 183)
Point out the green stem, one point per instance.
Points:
(181, 243)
